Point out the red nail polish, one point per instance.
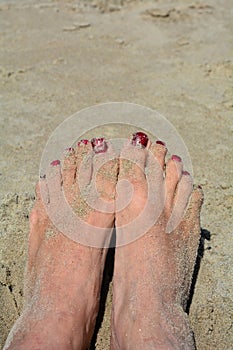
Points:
(85, 142)
(99, 145)
(200, 187)
(184, 172)
(161, 143)
(55, 162)
(69, 150)
(176, 158)
(139, 139)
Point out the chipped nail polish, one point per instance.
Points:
(176, 158)
(84, 141)
(200, 187)
(55, 162)
(99, 145)
(69, 150)
(159, 142)
(185, 172)
(139, 139)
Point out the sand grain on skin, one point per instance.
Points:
(48, 74)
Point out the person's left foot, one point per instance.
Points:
(63, 277)
(153, 272)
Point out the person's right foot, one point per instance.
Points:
(63, 277)
(153, 274)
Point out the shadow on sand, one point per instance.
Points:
(205, 235)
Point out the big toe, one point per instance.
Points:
(132, 187)
(133, 159)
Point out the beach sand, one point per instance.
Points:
(58, 57)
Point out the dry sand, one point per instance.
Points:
(172, 56)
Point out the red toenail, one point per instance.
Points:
(85, 142)
(55, 162)
(161, 143)
(185, 172)
(139, 139)
(200, 187)
(99, 145)
(69, 150)
(176, 158)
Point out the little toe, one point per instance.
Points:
(181, 200)
(194, 205)
(196, 200)
(173, 175)
(192, 222)
(38, 213)
(42, 194)
(38, 220)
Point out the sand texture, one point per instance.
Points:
(57, 57)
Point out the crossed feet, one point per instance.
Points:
(156, 248)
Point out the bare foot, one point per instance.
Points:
(63, 277)
(153, 274)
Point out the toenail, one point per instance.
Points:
(99, 145)
(69, 150)
(55, 162)
(200, 187)
(185, 172)
(139, 139)
(84, 141)
(176, 158)
(159, 142)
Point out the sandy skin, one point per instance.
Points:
(152, 274)
(63, 278)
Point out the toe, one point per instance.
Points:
(42, 194)
(181, 200)
(69, 168)
(84, 155)
(159, 151)
(132, 186)
(174, 169)
(133, 159)
(54, 182)
(104, 178)
(155, 166)
(196, 200)
(194, 207)
(38, 212)
(105, 172)
(155, 179)
(38, 220)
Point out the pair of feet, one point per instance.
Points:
(152, 273)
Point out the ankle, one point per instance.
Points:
(51, 332)
(167, 329)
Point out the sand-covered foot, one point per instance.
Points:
(153, 274)
(63, 277)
